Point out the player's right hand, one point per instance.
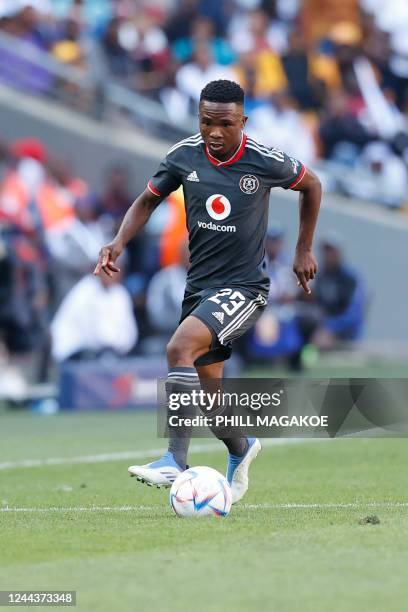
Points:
(107, 257)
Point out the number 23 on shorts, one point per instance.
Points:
(235, 300)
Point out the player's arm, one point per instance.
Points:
(305, 264)
(134, 220)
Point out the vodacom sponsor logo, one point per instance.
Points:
(218, 206)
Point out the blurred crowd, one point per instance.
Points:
(53, 310)
(324, 79)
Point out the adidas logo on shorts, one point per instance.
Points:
(193, 177)
(219, 316)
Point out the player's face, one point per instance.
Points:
(221, 125)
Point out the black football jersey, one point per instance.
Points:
(226, 207)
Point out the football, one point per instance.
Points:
(200, 491)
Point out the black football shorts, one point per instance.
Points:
(228, 312)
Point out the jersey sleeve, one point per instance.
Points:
(165, 180)
(284, 171)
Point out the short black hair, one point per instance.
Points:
(223, 91)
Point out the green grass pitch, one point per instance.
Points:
(296, 543)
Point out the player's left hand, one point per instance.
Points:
(107, 257)
(305, 268)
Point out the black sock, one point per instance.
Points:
(236, 444)
(181, 380)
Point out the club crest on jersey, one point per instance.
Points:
(249, 183)
(218, 206)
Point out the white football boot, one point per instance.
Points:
(160, 473)
(237, 469)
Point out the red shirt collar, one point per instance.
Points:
(237, 155)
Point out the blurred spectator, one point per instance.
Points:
(267, 69)
(193, 76)
(23, 293)
(275, 124)
(302, 85)
(22, 183)
(165, 294)
(317, 16)
(276, 334)
(27, 20)
(381, 176)
(56, 198)
(141, 251)
(258, 49)
(283, 286)
(75, 46)
(203, 31)
(174, 232)
(92, 14)
(254, 31)
(23, 21)
(345, 38)
(379, 112)
(336, 311)
(54, 210)
(74, 246)
(69, 49)
(342, 134)
(252, 99)
(180, 20)
(324, 68)
(74, 239)
(391, 25)
(216, 11)
(95, 317)
(119, 62)
(145, 41)
(116, 197)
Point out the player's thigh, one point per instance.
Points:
(192, 337)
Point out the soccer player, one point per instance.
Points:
(226, 178)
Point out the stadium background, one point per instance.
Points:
(93, 85)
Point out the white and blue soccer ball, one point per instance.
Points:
(200, 491)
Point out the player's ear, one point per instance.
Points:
(244, 120)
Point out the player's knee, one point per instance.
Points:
(180, 353)
(176, 352)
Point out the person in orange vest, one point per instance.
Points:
(175, 232)
(32, 198)
(22, 182)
